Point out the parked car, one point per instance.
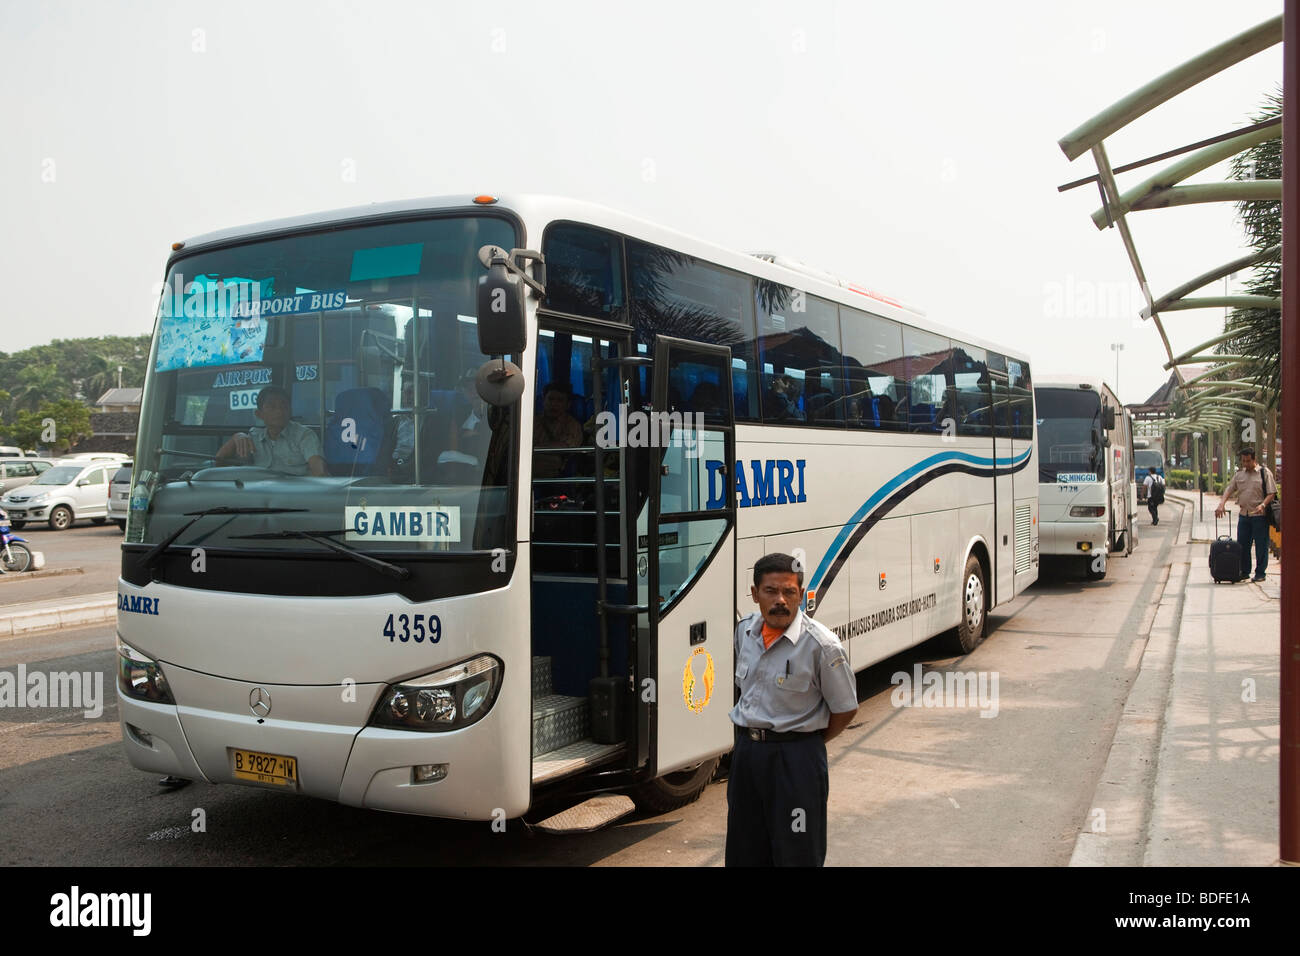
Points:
(10, 451)
(16, 472)
(116, 456)
(119, 495)
(66, 492)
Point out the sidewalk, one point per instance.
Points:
(19, 619)
(1192, 775)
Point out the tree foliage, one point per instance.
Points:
(74, 369)
(55, 425)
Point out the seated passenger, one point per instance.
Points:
(401, 466)
(554, 428)
(473, 435)
(781, 403)
(279, 444)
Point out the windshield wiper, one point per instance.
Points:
(323, 537)
(157, 550)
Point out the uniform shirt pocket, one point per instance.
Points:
(742, 669)
(794, 683)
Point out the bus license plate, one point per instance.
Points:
(272, 770)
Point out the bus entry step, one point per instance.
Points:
(590, 815)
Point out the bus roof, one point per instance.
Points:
(537, 211)
(1058, 380)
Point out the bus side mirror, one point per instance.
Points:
(1108, 417)
(501, 311)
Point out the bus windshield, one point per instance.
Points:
(1069, 434)
(1149, 459)
(329, 376)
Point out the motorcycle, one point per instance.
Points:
(15, 556)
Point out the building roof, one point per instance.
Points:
(120, 396)
(1164, 395)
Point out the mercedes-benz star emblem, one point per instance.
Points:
(259, 702)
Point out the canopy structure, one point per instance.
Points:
(1163, 189)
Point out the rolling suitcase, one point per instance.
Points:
(1225, 556)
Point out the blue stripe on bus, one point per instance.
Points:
(902, 477)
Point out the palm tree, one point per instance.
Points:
(36, 385)
(1259, 330)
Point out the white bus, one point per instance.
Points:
(465, 608)
(1087, 493)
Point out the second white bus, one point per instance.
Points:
(1087, 495)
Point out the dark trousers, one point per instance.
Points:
(1253, 528)
(1154, 509)
(776, 802)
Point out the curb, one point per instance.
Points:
(76, 614)
(1124, 793)
(45, 573)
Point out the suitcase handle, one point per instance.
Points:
(1227, 513)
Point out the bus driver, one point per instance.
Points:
(278, 444)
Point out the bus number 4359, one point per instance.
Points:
(402, 627)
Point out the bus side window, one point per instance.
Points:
(928, 366)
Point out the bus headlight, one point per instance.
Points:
(449, 699)
(1087, 511)
(141, 677)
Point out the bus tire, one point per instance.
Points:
(673, 791)
(973, 602)
(1092, 573)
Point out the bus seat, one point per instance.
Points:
(368, 412)
(922, 417)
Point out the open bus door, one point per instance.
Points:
(686, 567)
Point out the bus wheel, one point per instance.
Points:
(967, 634)
(1090, 568)
(673, 791)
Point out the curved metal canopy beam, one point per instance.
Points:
(1255, 190)
(1158, 191)
(1226, 302)
(1215, 274)
(1217, 370)
(1168, 85)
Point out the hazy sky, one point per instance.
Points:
(911, 147)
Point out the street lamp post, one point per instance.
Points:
(1117, 347)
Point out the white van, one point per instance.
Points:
(68, 492)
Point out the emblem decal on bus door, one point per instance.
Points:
(690, 682)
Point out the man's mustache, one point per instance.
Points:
(778, 610)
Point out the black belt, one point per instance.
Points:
(771, 736)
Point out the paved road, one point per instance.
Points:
(908, 785)
(96, 549)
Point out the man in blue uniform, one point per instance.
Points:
(797, 691)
